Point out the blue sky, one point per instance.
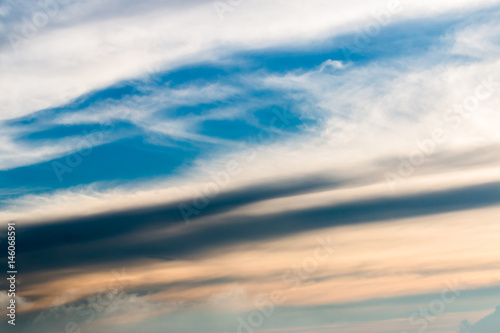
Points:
(148, 154)
(212, 149)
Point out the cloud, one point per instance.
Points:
(340, 119)
(313, 134)
(220, 224)
(35, 78)
(233, 298)
(334, 64)
(424, 254)
(489, 324)
(22, 303)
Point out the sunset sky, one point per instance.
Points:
(247, 166)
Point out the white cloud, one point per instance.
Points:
(77, 52)
(232, 298)
(21, 302)
(335, 64)
(15, 154)
(138, 110)
(371, 115)
(479, 40)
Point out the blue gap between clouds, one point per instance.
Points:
(128, 159)
(136, 158)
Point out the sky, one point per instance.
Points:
(251, 166)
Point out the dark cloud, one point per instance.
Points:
(125, 236)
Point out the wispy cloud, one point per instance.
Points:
(269, 133)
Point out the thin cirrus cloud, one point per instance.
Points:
(166, 110)
(111, 45)
(314, 122)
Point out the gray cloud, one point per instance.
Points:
(116, 237)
